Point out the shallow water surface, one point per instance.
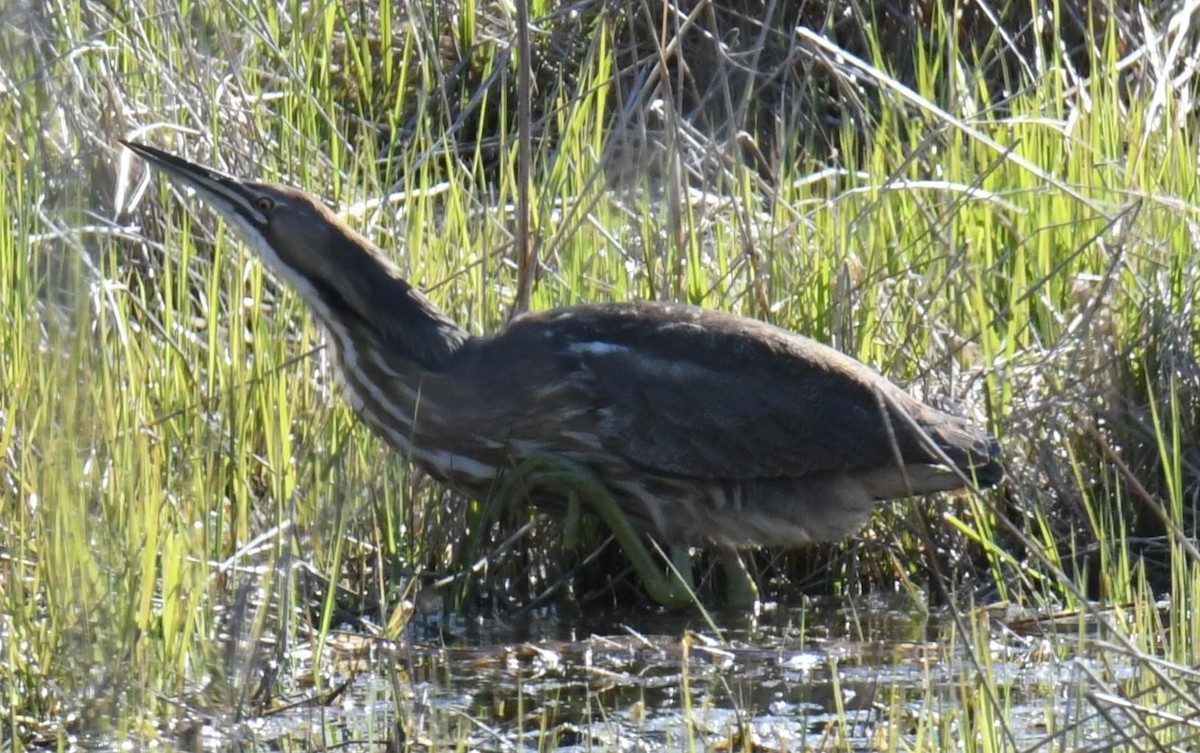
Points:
(847, 676)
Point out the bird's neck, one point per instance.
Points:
(369, 304)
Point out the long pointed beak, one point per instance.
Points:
(231, 197)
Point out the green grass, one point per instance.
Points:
(175, 461)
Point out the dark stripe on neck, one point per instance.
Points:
(339, 307)
(407, 327)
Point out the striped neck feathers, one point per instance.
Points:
(357, 292)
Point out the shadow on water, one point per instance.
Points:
(842, 676)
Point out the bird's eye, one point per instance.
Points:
(264, 204)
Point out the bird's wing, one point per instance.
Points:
(701, 420)
(689, 392)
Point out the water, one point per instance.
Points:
(835, 676)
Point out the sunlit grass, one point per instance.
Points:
(182, 492)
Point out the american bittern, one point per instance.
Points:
(694, 425)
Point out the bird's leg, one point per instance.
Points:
(741, 591)
(669, 589)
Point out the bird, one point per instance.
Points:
(692, 425)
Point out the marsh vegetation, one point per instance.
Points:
(996, 206)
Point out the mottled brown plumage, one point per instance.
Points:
(703, 425)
